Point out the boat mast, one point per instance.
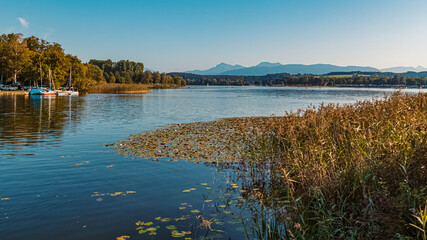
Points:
(50, 79)
(41, 78)
(51, 83)
(69, 80)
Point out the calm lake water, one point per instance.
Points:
(58, 180)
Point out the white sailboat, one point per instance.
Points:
(69, 90)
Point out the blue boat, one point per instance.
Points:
(36, 91)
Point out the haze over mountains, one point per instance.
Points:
(265, 68)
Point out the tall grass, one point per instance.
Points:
(117, 88)
(350, 172)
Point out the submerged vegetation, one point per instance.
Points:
(354, 171)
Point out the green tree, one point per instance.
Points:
(95, 73)
(14, 54)
(53, 58)
(111, 78)
(117, 76)
(147, 77)
(156, 77)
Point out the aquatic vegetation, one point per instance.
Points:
(421, 223)
(223, 140)
(182, 218)
(188, 190)
(83, 163)
(115, 194)
(171, 227)
(124, 237)
(118, 88)
(139, 223)
(351, 171)
(177, 234)
(204, 222)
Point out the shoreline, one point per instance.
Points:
(13, 92)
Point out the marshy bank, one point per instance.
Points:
(352, 171)
(13, 92)
(127, 88)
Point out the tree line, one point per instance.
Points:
(125, 71)
(285, 79)
(27, 60)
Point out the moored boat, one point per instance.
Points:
(48, 92)
(35, 91)
(69, 90)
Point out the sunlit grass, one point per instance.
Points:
(117, 88)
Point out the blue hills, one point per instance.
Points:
(265, 68)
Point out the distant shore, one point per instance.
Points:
(111, 88)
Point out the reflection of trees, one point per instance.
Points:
(27, 120)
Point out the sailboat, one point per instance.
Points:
(36, 90)
(69, 90)
(49, 91)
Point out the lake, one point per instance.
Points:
(59, 181)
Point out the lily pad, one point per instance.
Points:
(195, 211)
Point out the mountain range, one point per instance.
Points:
(265, 68)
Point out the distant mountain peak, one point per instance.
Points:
(402, 69)
(268, 64)
(218, 69)
(264, 68)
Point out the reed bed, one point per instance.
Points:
(350, 172)
(117, 88)
(19, 92)
(341, 172)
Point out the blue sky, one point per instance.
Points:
(179, 35)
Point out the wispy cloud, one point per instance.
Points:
(45, 35)
(24, 22)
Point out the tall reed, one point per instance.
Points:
(353, 171)
(117, 88)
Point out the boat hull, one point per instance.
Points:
(48, 93)
(35, 91)
(67, 93)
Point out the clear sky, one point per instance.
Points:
(179, 35)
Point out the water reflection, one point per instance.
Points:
(28, 120)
